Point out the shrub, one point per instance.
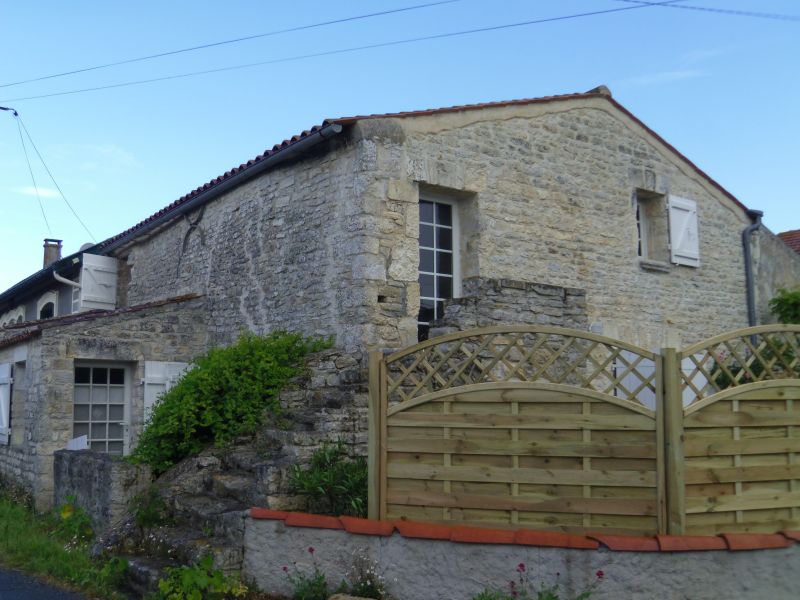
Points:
(227, 394)
(786, 306)
(363, 579)
(335, 483)
(71, 522)
(199, 582)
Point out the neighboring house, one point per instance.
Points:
(791, 238)
(563, 210)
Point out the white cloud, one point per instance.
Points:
(43, 192)
(663, 77)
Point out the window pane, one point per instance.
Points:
(444, 287)
(81, 413)
(98, 446)
(99, 395)
(98, 431)
(82, 394)
(444, 263)
(425, 211)
(439, 309)
(115, 448)
(426, 286)
(422, 332)
(99, 375)
(117, 376)
(99, 412)
(444, 214)
(116, 395)
(116, 413)
(444, 238)
(115, 431)
(426, 260)
(80, 429)
(82, 374)
(426, 311)
(426, 236)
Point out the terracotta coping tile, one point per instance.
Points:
(367, 526)
(307, 520)
(481, 535)
(755, 541)
(554, 539)
(688, 543)
(792, 535)
(633, 543)
(426, 531)
(266, 513)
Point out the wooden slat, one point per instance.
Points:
(744, 418)
(497, 474)
(524, 448)
(629, 422)
(697, 446)
(743, 502)
(739, 473)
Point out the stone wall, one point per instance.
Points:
(776, 266)
(102, 485)
(486, 302)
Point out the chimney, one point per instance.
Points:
(52, 251)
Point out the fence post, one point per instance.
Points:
(673, 440)
(374, 433)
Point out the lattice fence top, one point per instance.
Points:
(766, 353)
(523, 354)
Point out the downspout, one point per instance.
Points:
(748, 264)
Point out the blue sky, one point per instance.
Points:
(721, 88)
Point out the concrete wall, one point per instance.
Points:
(101, 484)
(776, 266)
(424, 569)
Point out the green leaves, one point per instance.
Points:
(786, 305)
(335, 483)
(225, 395)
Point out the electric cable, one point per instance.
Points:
(725, 11)
(231, 41)
(342, 51)
(30, 170)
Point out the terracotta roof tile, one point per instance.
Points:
(791, 238)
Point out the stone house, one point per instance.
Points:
(561, 210)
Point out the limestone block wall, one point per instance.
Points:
(776, 266)
(100, 484)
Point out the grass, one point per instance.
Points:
(42, 546)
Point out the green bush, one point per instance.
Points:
(199, 582)
(227, 394)
(335, 483)
(149, 509)
(786, 306)
(71, 522)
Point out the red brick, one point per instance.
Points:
(266, 513)
(426, 531)
(367, 526)
(481, 535)
(689, 543)
(554, 539)
(318, 521)
(627, 543)
(755, 541)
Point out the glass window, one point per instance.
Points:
(99, 409)
(437, 279)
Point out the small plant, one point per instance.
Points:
(305, 586)
(227, 394)
(149, 509)
(72, 523)
(335, 483)
(364, 580)
(199, 582)
(522, 589)
(786, 305)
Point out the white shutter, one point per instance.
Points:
(98, 282)
(5, 403)
(683, 232)
(159, 377)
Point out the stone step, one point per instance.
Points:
(143, 574)
(201, 508)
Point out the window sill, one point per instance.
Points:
(654, 266)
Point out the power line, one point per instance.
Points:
(53, 179)
(725, 11)
(344, 50)
(231, 41)
(30, 170)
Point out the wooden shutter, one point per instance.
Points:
(98, 282)
(683, 232)
(159, 377)
(5, 403)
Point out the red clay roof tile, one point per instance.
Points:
(308, 520)
(686, 543)
(367, 526)
(755, 541)
(791, 238)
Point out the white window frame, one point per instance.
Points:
(455, 228)
(125, 422)
(47, 297)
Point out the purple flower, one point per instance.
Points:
(521, 568)
(311, 550)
